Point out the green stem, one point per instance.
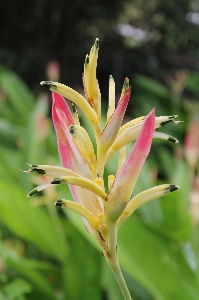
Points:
(112, 259)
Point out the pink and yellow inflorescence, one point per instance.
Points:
(103, 210)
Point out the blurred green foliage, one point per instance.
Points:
(46, 253)
(63, 31)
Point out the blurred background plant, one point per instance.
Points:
(45, 253)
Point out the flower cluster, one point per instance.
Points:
(102, 211)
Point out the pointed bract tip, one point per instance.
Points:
(34, 168)
(56, 181)
(39, 171)
(173, 187)
(173, 140)
(176, 122)
(86, 60)
(30, 165)
(172, 117)
(126, 84)
(166, 122)
(96, 43)
(152, 113)
(71, 129)
(58, 202)
(48, 84)
(32, 192)
(73, 108)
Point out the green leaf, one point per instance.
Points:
(192, 83)
(31, 223)
(17, 92)
(16, 289)
(2, 296)
(175, 207)
(151, 86)
(82, 273)
(156, 262)
(40, 274)
(35, 141)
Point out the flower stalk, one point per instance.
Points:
(102, 210)
(112, 259)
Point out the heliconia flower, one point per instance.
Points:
(102, 210)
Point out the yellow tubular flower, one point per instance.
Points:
(144, 197)
(91, 86)
(111, 97)
(79, 181)
(79, 133)
(82, 211)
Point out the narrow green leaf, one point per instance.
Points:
(31, 223)
(17, 92)
(82, 273)
(156, 262)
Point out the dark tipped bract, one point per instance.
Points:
(173, 187)
(96, 43)
(48, 84)
(34, 168)
(166, 122)
(38, 170)
(170, 119)
(56, 181)
(32, 192)
(86, 60)
(172, 139)
(73, 108)
(58, 202)
(72, 129)
(126, 84)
